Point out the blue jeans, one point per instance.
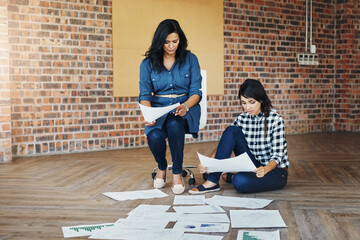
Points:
(233, 139)
(174, 130)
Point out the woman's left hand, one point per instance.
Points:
(180, 111)
(260, 172)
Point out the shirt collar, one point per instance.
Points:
(257, 117)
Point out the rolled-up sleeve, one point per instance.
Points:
(278, 142)
(145, 85)
(195, 74)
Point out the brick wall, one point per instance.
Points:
(5, 118)
(61, 73)
(347, 97)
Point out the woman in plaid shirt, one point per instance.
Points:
(259, 131)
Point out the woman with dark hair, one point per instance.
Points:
(170, 74)
(260, 132)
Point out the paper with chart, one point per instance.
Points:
(258, 235)
(85, 230)
(199, 209)
(132, 195)
(202, 227)
(241, 163)
(189, 200)
(256, 219)
(152, 113)
(226, 201)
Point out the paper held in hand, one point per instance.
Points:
(152, 113)
(241, 163)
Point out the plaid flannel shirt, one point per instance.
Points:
(274, 146)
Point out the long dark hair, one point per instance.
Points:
(156, 51)
(254, 89)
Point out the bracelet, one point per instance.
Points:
(186, 107)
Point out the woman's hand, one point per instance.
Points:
(260, 172)
(180, 111)
(149, 124)
(263, 170)
(202, 168)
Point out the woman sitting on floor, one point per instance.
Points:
(259, 132)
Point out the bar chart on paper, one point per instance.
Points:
(84, 230)
(258, 235)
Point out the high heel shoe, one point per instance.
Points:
(178, 188)
(159, 182)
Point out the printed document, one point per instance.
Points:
(258, 235)
(199, 209)
(189, 200)
(152, 113)
(241, 163)
(202, 227)
(132, 195)
(256, 219)
(226, 201)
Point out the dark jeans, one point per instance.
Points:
(246, 182)
(174, 130)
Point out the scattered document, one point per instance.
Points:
(131, 234)
(141, 223)
(256, 219)
(84, 230)
(152, 113)
(199, 209)
(132, 195)
(241, 163)
(189, 200)
(226, 201)
(207, 217)
(191, 236)
(258, 235)
(168, 216)
(149, 209)
(202, 227)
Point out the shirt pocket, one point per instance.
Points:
(185, 79)
(155, 80)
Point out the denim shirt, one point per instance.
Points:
(184, 79)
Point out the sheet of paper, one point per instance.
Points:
(207, 217)
(131, 234)
(152, 113)
(199, 209)
(189, 200)
(84, 230)
(241, 163)
(149, 209)
(256, 219)
(226, 201)
(141, 223)
(202, 227)
(132, 195)
(169, 216)
(258, 235)
(192, 236)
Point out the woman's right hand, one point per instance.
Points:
(202, 168)
(149, 124)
